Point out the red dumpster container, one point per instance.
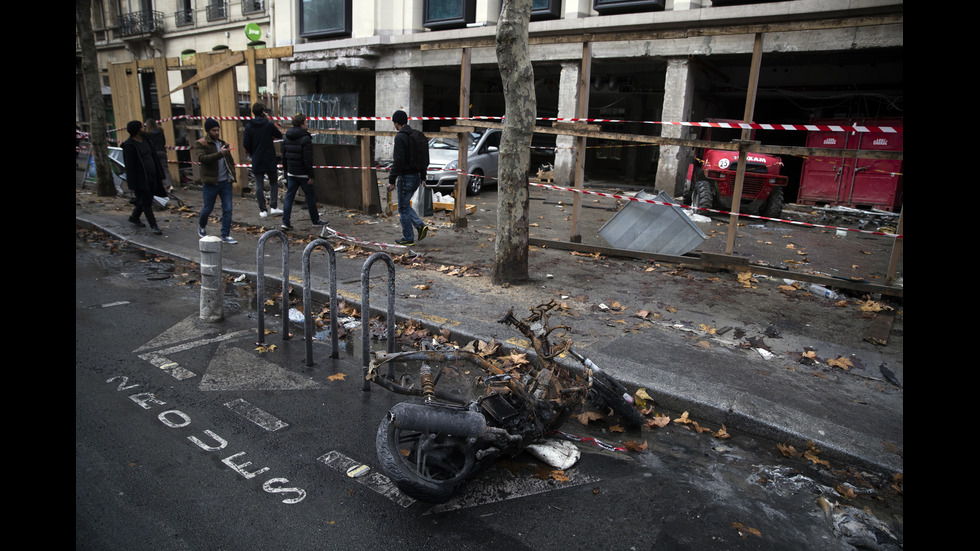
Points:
(856, 183)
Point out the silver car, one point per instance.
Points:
(481, 160)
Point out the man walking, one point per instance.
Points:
(406, 178)
(144, 175)
(297, 163)
(217, 175)
(260, 135)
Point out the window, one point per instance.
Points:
(325, 18)
(250, 7)
(606, 7)
(545, 9)
(217, 9)
(184, 14)
(448, 14)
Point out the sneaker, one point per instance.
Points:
(276, 211)
(202, 232)
(156, 230)
(286, 227)
(320, 222)
(263, 213)
(404, 242)
(423, 231)
(229, 239)
(136, 222)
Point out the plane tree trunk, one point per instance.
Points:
(520, 109)
(94, 102)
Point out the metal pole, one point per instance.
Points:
(212, 309)
(308, 298)
(896, 249)
(366, 310)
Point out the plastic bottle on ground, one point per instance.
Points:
(822, 291)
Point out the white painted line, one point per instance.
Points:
(261, 418)
(374, 480)
(171, 367)
(111, 304)
(202, 342)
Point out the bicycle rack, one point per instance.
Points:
(308, 301)
(366, 311)
(260, 284)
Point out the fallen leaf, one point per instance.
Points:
(744, 530)
(634, 446)
(812, 452)
(841, 362)
(586, 416)
(789, 451)
(337, 377)
(699, 428)
(658, 421)
(559, 475)
(616, 428)
(722, 433)
(682, 419)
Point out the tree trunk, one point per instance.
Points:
(94, 103)
(520, 110)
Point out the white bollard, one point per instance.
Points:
(212, 309)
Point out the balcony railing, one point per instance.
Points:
(217, 10)
(183, 18)
(250, 7)
(140, 23)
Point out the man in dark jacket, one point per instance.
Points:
(144, 175)
(260, 135)
(217, 175)
(297, 163)
(407, 179)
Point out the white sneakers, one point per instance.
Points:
(276, 211)
(263, 213)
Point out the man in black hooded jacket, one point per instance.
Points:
(144, 175)
(259, 141)
(297, 163)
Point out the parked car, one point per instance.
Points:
(481, 161)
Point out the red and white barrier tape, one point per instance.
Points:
(730, 125)
(330, 232)
(589, 440)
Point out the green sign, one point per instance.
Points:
(253, 32)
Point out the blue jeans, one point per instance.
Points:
(223, 190)
(406, 186)
(293, 184)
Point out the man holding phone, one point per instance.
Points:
(217, 176)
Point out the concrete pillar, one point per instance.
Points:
(568, 93)
(212, 308)
(395, 89)
(678, 94)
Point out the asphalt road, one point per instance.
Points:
(187, 437)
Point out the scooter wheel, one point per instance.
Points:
(426, 466)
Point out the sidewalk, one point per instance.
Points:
(753, 354)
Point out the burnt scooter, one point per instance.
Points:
(430, 448)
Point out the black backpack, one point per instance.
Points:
(420, 150)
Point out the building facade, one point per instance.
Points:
(649, 61)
